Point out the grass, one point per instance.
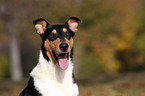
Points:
(132, 84)
(129, 84)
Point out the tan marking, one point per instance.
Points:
(54, 31)
(69, 42)
(52, 45)
(55, 45)
(49, 51)
(64, 29)
(71, 21)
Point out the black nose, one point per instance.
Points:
(63, 46)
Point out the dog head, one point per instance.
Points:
(57, 39)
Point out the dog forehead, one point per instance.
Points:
(58, 26)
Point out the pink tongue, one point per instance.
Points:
(63, 62)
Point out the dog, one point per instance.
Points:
(53, 75)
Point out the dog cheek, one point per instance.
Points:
(55, 45)
(46, 45)
(70, 42)
(52, 45)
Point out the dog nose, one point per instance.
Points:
(63, 46)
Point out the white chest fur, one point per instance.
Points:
(50, 80)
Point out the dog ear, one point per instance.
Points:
(72, 22)
(40, 25)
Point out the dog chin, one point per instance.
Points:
(62, 60)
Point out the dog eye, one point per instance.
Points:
(52, 35)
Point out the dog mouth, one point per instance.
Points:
(62, 60)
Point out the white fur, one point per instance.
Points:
(51, 80)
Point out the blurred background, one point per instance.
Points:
(109, 50)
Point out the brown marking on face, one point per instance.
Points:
(55, 45)
(54, 31)
(69, 42)
(64, 29)
(52, 45)
(49, 53)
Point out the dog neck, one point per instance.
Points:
(46, 73)
(46, 70)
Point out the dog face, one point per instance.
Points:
(57, 39)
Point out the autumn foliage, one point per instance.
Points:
(110, 38)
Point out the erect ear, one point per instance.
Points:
(40, 25)
(72, 22)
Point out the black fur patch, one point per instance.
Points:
(44, 52)
(60, 34)
(30, 89)
(73, 76)
(71, 54)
